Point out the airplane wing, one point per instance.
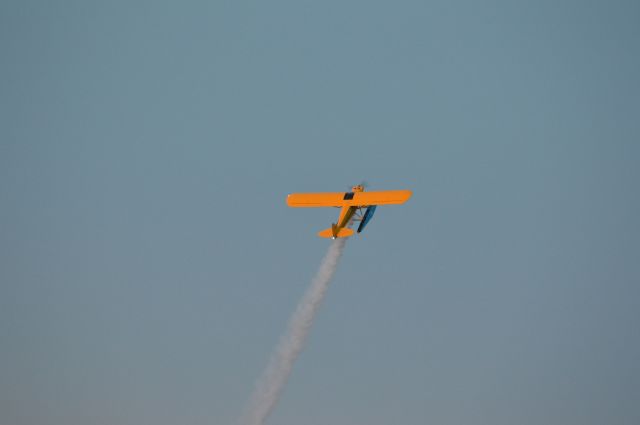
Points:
(341, 199)
(327, 199)
(384, 197)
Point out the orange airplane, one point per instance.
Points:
(352, 204)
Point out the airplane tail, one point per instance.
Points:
(332, 232)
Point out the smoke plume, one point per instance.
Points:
(270, 385)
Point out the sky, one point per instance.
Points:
(149, 264)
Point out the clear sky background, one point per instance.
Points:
(149, 264)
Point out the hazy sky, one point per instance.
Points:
(149, 264)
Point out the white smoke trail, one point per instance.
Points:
(272, 382)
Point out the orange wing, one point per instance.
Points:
(327, 199)
(385, 197)
(341, 199)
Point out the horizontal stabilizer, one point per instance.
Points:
(342, 233)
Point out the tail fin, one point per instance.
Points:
(332, 232)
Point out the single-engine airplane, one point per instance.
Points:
(352, 203)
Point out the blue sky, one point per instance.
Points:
(149, 264)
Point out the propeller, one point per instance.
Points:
(362, 183)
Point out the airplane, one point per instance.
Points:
(352, 203)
